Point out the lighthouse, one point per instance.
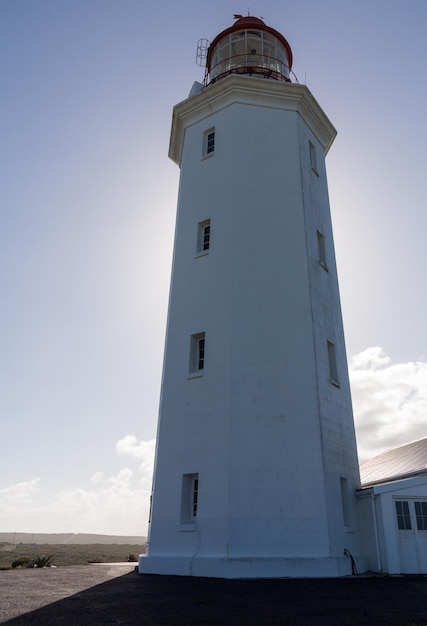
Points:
(256, 463)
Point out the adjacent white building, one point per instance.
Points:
(256, 465)
(393, 509)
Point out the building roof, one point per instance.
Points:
(403, 462)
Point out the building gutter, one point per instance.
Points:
(377, 539)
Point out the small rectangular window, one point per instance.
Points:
(421, 515)
(189, 498)
(210, 145)
(197, 353)
(321, 250)
(333, 370)
(403, 516)
(201, 353)
(313, 157)
(195, 494)
(203, 237)
(206, 236)
(209, 142)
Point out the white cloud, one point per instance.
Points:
(117, 504)
(97, 477)
(21, 493)
(389, 401)
(130, 445)
(143, 450)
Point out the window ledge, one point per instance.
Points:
(315, 171)
(188, 527)
(207, 156)
(323, 264)
(196, 374)
(335, 383)
(202, 253)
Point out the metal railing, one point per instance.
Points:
(257, 64)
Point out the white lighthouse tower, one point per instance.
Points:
(256, 463)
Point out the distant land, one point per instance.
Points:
(69, 538)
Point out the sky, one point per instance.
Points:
(87, 215)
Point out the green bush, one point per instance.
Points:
(42, 561)
(131, 558)
(22, 562)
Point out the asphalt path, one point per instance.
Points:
(116, 594)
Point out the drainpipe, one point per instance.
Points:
(377, 539)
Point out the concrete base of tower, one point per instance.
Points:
(250, 567)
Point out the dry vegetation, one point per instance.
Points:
(69, 554)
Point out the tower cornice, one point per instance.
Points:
(251, 91)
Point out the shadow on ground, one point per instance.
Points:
(131, 599)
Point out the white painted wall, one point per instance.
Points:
(264, 428)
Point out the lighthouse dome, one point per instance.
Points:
(249, 47)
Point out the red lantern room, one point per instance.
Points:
(249, 47)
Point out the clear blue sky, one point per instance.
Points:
(87, 205)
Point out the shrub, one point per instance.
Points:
(42, 561)
(22, 562)
(131, 558)
(94, 560)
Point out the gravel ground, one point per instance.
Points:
(116, 594)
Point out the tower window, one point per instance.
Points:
(206, 236)
(197, 353)
(189, 498)
(313, 157)
(203, 237)
(209, 142)
(333, 370)
(421, 515)
(201, 354)
(210, 145)
(321, 250)
(194, 495)
(403, 516)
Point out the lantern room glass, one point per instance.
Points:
(250, 52)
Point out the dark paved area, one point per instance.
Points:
(116, 594)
